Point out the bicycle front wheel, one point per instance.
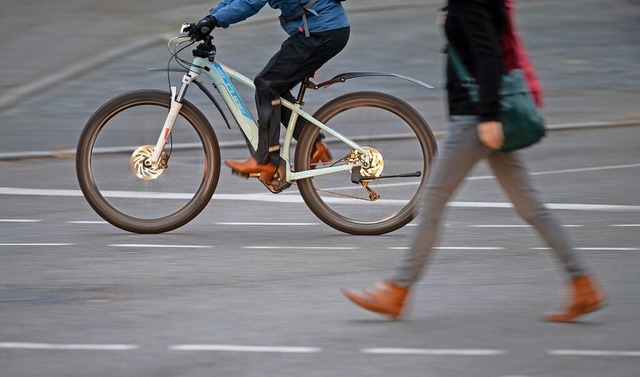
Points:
(401, 147)
(126, 191)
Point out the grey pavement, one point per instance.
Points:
(205, 299)
(61, 60)
(79, 297)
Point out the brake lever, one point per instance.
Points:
(186, 27)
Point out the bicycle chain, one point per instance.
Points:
(372, 195)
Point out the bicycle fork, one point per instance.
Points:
(174, 110)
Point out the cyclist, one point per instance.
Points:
(318, 30)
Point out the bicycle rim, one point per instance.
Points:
(128, 194)
(402, 144)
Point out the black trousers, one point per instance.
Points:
(298, 57)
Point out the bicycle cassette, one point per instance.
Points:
(371, 166)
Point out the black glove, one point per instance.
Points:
(202, 28)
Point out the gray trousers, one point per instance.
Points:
(459, 152)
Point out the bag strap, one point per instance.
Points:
(465, 78)
(302, 12)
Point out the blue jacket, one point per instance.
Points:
(331, 14)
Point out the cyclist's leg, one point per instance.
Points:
(285, 115)
(298, 57)
(330, 43)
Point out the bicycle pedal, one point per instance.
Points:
(278, 182)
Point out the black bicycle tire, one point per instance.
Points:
(116, 217)
(308, 137)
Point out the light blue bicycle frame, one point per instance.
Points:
(220, 75)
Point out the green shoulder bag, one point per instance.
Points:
(522, 122)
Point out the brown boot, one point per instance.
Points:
(586, 298)
(320, 152)
(251, 166)
(386, 299)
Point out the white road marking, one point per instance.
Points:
(236, 348)
(19, 221)
(160, 246)
(266, 224)
(229, 223)
(452, 248)
(302, 247)
(500, 226)
(580, 170)
(298, 199)
(433, 352)
(87, 222)
(564, 171)
(595, 248)
(468, 248)
(36, 244)
(38, 192)
(516, 226)
(68, 347)
(594, 353)
(287, 349)
(566, 206)
(484, 177)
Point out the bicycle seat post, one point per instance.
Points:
(306, 83)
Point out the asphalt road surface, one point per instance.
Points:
(251, 287)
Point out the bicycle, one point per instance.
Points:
(372, 188)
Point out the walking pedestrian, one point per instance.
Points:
(474, 28)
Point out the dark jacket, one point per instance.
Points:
(473, 28)
(330, 13)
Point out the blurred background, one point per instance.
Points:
(79, 297)
(60, 60)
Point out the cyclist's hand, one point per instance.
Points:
(202, 28)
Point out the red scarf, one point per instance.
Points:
(515, 55)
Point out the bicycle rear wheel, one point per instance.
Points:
(118, 185)
(402, 147)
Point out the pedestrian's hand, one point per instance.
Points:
(491, 134)
(203, 28)
(441, 19)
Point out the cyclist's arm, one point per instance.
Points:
(229, 12)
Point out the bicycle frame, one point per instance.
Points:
(221, 76)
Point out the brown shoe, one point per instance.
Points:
(251, 166)
(320, 152)
(585, 298)
(387, 299)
